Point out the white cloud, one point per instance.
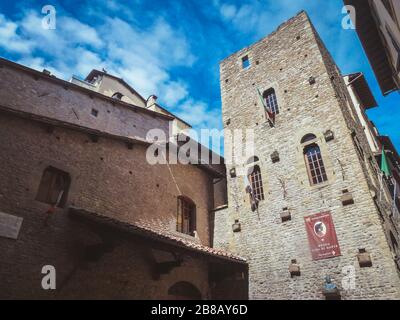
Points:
(34, 63)
(142, 57)
(174, 92)
(10, 40)
(199, 114)
(80, 32)
(228, 11)
(258, 18)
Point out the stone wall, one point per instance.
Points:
(286, 60)
(107, 178)
(30, 91)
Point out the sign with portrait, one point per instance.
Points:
(322, 236)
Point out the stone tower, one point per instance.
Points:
(312, 159)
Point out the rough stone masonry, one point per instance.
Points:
(287, 61)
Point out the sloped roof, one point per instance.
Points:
(95, 73)
(67, 84)
(363, 90)
(151, 230)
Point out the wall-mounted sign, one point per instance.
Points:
(9, 225)
(322, 236)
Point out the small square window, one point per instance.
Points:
(245, 62)
(95, 112)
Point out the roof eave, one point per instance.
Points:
(373, 45)
(123, 227)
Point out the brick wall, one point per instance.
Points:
(106, 178)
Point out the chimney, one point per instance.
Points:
(152, 100)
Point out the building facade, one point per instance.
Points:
(389, 186)
(78, 194)
(377, 24)
(312, 157)
(308, 215)
(116, 88)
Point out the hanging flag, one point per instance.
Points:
(385, 165)
(322, 236)
(253, 199)
(52, 209)
(268, 112)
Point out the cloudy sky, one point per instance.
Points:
(173, 48)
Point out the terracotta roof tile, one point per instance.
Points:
(155, 230)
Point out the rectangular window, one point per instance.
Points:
(271, 101)
(186, 219)
(245, 62)
(315, 165)
(256, 183)
(94, 112)
(54, 186)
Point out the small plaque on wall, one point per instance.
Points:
(9, 225)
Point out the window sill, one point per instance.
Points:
(225, 206)
(187, 236)
(320, 185)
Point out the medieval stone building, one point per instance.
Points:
(77, 193)
(310, 218)
(313, 167)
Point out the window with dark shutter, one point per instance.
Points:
(186, 217)
(117, 96)
(54, 186)
(271, 101)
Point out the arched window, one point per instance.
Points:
(255, 179)
(117, 96)
(186, 217)
(315, 165)
(184, 291)
(308, 137)
(271, 100)
(252, 160)
(54, 186)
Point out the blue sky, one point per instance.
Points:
(173, 48)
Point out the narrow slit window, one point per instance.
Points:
(245, 62)
(186, 218)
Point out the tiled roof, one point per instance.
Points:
(151, 229)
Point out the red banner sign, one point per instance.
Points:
(322, 236)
